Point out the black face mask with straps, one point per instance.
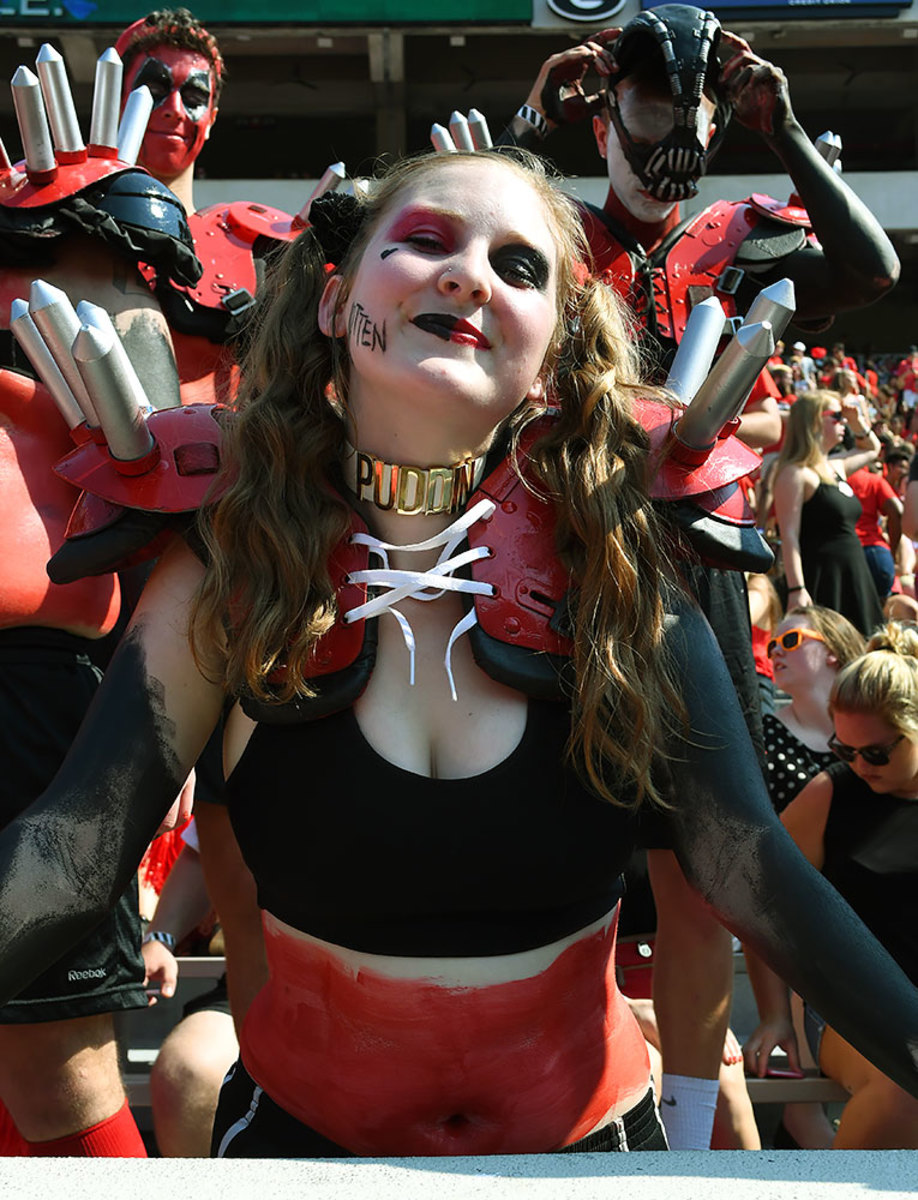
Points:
(687, 38)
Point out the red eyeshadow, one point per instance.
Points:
(419, 219)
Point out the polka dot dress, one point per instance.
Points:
(789, 764)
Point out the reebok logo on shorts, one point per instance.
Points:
(92, 973)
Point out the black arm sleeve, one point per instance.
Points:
(855, 262)
(736, 853)
(67, 858)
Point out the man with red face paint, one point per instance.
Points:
(672, 80)
(173, 55)
(59, 1070)
(170, 52)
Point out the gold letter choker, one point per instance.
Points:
(411, 490)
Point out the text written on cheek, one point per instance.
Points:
(364, 331)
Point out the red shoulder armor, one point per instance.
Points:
(681, 473)
(67, 179)
(177, 476)
(96, 194)
(706, 492)
(697, 266)
(521, 635)
(523, 567)
(529, 581)
(224, 236)
(788, 212)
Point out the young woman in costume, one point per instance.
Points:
(437, 806)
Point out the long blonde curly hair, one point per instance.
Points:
(270, 534)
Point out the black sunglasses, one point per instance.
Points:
(875, 756)
(834, 416)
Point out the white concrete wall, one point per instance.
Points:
(699, 1175)
(892, 196)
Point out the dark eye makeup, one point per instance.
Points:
(194, 92)
(521, 264)
(157, 77)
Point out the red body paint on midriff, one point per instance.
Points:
(395, 1066)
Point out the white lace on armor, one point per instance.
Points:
(424, 585)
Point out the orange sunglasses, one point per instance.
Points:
(792, 639)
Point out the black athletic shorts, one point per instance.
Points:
(248, 1124)
(216, 999)
(47, 680)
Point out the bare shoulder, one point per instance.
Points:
(172, 586)
(795, 483)
(806, 816)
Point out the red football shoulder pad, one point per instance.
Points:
(785, 211)
(523, 568)
(17, 190)
(521, 637)
(697, 265)
(224, 237)
(177, 476)
(678, 472)
(530, 584)
(97, 195)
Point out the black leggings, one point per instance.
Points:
(249, 1124)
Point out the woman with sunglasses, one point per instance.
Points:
(809, 647)
(817, 510)
(857, 822)
(806, 650)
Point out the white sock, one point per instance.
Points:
(687, 1108)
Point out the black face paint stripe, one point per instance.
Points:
(390, 250)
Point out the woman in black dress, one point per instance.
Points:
(817, 510)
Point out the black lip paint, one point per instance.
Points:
(440, 324)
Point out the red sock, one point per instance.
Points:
(12, 1143)
(115, 1137)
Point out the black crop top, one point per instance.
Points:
(354, 850)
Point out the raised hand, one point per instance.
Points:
(757, 89)
(559, 91)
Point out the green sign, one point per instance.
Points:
(283, 12)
